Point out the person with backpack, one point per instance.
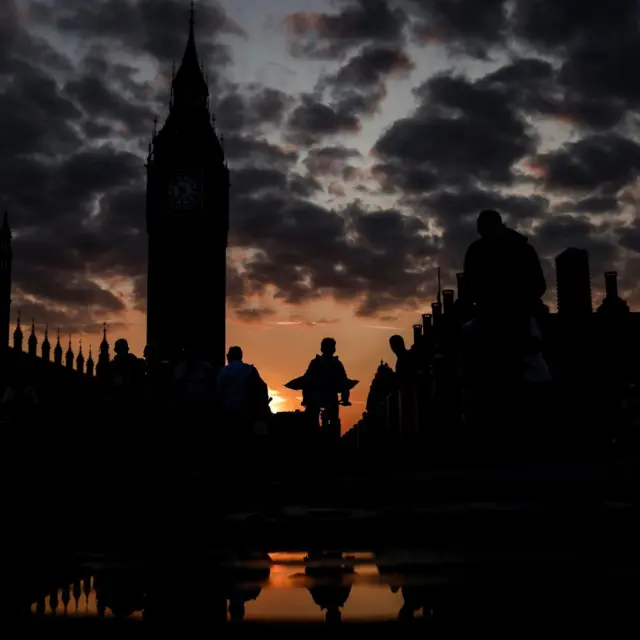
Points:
(244, 403)
(244, 396)
(326, 388)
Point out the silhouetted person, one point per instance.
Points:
(503, 276)
(243, 393)
(504, 279)
(124, 402)
(406, 361)
(244, 399)
(125, 376)
(325, 380)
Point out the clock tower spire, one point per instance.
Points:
(187, 215)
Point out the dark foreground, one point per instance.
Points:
(487, 546)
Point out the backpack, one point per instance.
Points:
(257, 395)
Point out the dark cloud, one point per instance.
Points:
(251, 109)
(357, 22)
(254, 314)
(239, 148)
(465, 26)
(596, 204)
(70, 321)
(462, 132)
(359, 87)
(597, 45)
(330, 161)
(448, 205)
(378, 259)
(101, 102)
(142, 27)
(311, 121)
(559, 26)
(604, 162)
(557, 233)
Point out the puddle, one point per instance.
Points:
(312, 586)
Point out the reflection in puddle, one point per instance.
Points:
(316, 586)
(333, 587)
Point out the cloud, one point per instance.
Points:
(467, 27)
(311, 121)
(376, 259)
(253, 314)
(331, 161)
(359, 87)
(75, 132)
(601, 162)
(332, 35)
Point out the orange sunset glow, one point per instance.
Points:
(282, 352)
(284, 597)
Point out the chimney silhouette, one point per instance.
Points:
(611, 284)
(612, 303)
(427, 324)
(417, 334)
(448, 299)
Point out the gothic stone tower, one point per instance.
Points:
(187, 221)
(6, 259)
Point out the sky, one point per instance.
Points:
(363, 137)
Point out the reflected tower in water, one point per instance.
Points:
(330, 586)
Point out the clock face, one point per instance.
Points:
(183, 192)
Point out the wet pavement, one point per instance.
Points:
(205, 588)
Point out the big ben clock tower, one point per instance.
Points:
(187, 221)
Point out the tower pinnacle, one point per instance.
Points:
(189, 87)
